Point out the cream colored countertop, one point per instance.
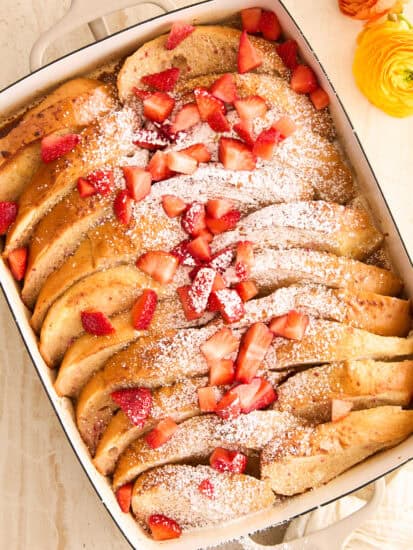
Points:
(46, 502)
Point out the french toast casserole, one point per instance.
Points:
(205, 277)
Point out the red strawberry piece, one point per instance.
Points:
(124, 497)
(187, 117)
(251, 107)
(181, 162)
(258, 394)
(158, 106)
(173, 206)
(248, 57)
(8, 213)
(140, 93)
(216, 208)
(219, 345)
(85, 188)
(223, 460)
(199, 152)
(340, 409)
(269, 25)
(303, 80)
(163, 528)
(150, 139)
(254, 346)
(160, 265)
(244, 259)
(225, 88)
(219, 282)
(201, 289)
(213, 304)
(179, 31)
(199, 248)
(158, 167)
(245, 131)
(193, 221)
(102, 180)
(222, 260)
(235, 155)
(231, 306)
(136, 403)
(221, 372)
(206, 488)
(288, 53)
(285, 126)
(164, 81)
(246, 290)
(226, 223)
(206, 235)
(229, 407)
(320, 99)
(122, 206)
(96, 322)
(246, 392)
(162, 433)
(53, 146)
(278, 324)
(17, 259)
(292, 325)
(190, 313)
(250, 18)
(207, 399)
(138, 182)
(207, 103)
(182, 253)
(144, 309)
(218, 122)
(265, 143)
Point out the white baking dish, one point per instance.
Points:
(81, 62)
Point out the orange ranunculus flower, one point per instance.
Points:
(370, 9)
(383, 66)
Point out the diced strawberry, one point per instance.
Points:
(173, 206)
(254, 346)
(278, 324)
(193, 221)
(244, 259)
(164, 81)
(201, 289)
(231, 306)
(102, 180)
(250, 18)
(207, 399)
(221, 372)
(248, 57)
(251, 107)
(206, 488)
(288, 53)
(320, 99)
(158, 167)
(136, 403)
(182, 253)
(218, 122)
(207, 103)
(246, 289)
(269, 25)
(162, 433)
(190, 313)
(187, 117)
(96, 322)
(199, 152)
(158, 106)
(219, 345)
(222, 260)
(8, 214)
(291, 325)
(140, 93)
(285, 126)
(340, 409)
(229, 407)
(246, 393)
(85, 188)
(219, 282)
(303, 80)
(17, 259)
(223, 460)
(261, 398)
(199, 248)
(235, 155)
(144, 309)
(225, 88)
(124, 496)
(213, 304)
(179, 31)
(206, 235)
(122, 206)
(265, 143)
(245, 131)
(53, 146)
(226, 223)
(151, 139)
(163, 528)
(160, 265)
(138, 182)
(181, 163)
(216, 208)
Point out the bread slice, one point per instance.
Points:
(173, 491)
(364, 384)
(197, 437)
(308, 457)
(16, 172)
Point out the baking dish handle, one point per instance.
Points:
(91, 12)
(334, 535)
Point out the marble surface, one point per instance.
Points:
(46, 502)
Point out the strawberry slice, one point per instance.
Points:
(256, 395)
(303, 80)
(160, 265)
(251, 107)
(206, 488)
(218, 122)
(219, 282)
(246, 393)
(17, 259)
(193, 221)
(181, 162)
(223, 460)
(102, 180)
(320, 99)
(229, 407)
(182, 253)
(285, 126)
(190, 313)
(173, 206)
(245, 132)
(122, 206)
(53, 146)
(250, 19)
(216, 208)
(269, 25)
(138, 182)
(85, 188)
(158, 106)
(206, 235)
(179, 31)
(8, 214)
(144, 309)
(246, 290)
(96, 322)
(207, 103)
(291, 325)
(278, 324)
(136, 403)
(235, 155)
(231, 306)
(222, 260)
(164, 81)
(219, 345)
(248, 57)
(254, 346)
(288, 52)
(340, 409)
(158, 167)
(221, 372)
(199, 248)
(201, 289)
(225, 88)
(151, 139)
(265, 143)
(244, 259)
(207, 399)
(199, 152)
(124, 496)
(163, 528)
(225, 223)
(162, 433)
(140, 93)
(187, 117)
